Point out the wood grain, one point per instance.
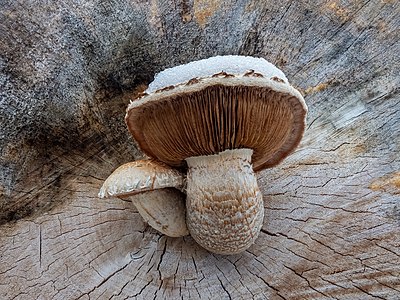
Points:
(332, 210)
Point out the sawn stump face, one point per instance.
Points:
(332, 212)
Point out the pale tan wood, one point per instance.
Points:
(332, 210)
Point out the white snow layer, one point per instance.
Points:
(232, 64)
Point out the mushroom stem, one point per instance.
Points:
(224, 206)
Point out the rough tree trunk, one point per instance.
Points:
(67, 71)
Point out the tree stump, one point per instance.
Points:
(67, 72)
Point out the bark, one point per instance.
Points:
(332, 211)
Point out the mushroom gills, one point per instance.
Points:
(154, 189)
(218, 117)
(224, 205)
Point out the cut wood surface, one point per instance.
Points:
(332, 209)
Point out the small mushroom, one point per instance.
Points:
(154, 189)
(222, 128)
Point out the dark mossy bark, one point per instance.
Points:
(67, 72)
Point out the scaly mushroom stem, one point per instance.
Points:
(224, 206)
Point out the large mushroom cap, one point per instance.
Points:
(220, 103)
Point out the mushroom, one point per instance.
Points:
(154, 189)
(222, 118)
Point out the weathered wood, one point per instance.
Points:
(67, 71)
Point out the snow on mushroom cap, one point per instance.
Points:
(231, 64)
(208, 115)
